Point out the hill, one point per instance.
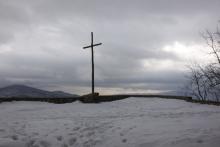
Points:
(26, 91)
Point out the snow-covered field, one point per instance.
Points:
(133, 122)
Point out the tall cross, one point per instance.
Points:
(91, 46)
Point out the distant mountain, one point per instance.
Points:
(175, 93)
(63, 94)
(26, 91)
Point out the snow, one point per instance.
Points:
(133, 122)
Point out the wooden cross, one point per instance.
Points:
(91, 46)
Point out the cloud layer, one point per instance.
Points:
(41, 42)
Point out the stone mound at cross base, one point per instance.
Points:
(88, 98)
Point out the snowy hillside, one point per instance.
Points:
(133, 122)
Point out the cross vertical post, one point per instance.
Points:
(93, 88)
(91, 46)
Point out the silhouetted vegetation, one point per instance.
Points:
(107, 98)
(205, 80)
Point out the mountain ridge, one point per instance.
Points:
(27, 91)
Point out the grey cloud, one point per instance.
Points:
(123, 9)
(47, 36)
(12, 20)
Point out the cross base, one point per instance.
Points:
(89, 98)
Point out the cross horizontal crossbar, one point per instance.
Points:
(92, 45)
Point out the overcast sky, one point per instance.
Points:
(146, 43)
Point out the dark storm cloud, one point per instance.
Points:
(41, 41)
(115, 9)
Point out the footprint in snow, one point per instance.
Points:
(124, 140)
(81, 136)
(14, 137)
(72, 141)
(59, 138)
(76, 128)
(64, 145)
(44, 143)
(31, 142)
(90, 133)
(200, 141)
(35, 133)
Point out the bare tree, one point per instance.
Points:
(198, 86)
(205, 80)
